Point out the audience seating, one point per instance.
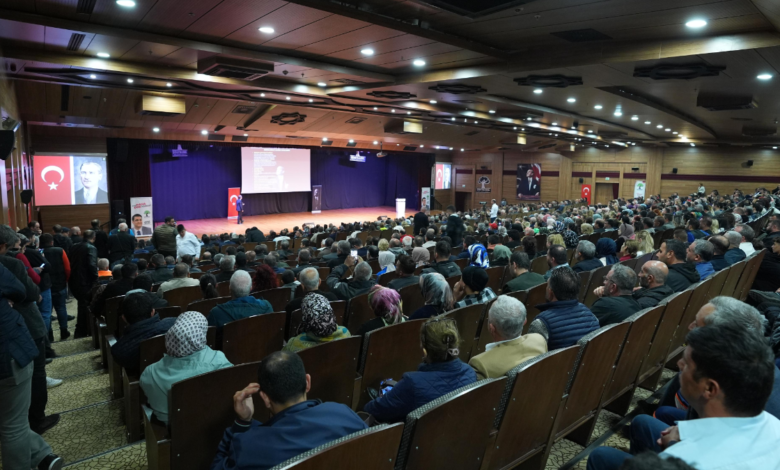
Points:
(699, 297)
(462, 262)
(251, 339)
(541, 242)
(630, 263)
(735, 272)
(596, 280)
(495, 277)
(412, 298)
(468, 319)
(183, 296)
(584, 283)
(642, 260)
(205, 306)
(359, 312)
(223, 289)
(333, 370)
(278, 298)
(716, 286)
(374, 448)
(294, 321)
(539, 265)
(453, 430)
(451, 281)
(749, 275)
(168, 312)
(385, 278)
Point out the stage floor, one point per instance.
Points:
(277, 222)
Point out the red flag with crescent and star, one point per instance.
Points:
(586, 192)
(53, 181)
(232, 197)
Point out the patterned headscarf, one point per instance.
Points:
(436, 291)
(385, 303)
(479, 256)
(318, 317)
(188, 335)
(570, 238)
(559, 227)
(421, 256)
(387, 260)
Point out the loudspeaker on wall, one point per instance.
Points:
(26, 196)
(674, 170)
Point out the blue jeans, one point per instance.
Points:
(645, 430)
(58, 300)
(670, 415)
(45, 307)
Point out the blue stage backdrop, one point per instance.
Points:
(195, 187)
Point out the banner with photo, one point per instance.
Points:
(529, 181)
(141, 216)
(639, 189)
(425, 199)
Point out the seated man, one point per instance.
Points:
(405, 267)
(296, 426)
(700, 253)
(721, 246)
(102, 265)
(472, 288)
(586, 257)
(734, 254)
(524, 279)
(726, 373)
(272, 260)
(187, 259)
(181, 278)
(137, 309)
(443, 265)
(241, 305)
(304, 261)
(242, 263)
(615, 302)
(310, 279)
(361, 281)
(652, 284)
(158, 270)
(557, 258)
(227, 266)
(510, 347)
(681, 273)
(564, 320)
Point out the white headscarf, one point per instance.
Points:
(188, 335)
(387, 260)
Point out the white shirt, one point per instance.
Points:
(189, 245)
(729, 443)
(494, 211)
(747, 247)
(701, 189)
(281, 238)
(429, 244)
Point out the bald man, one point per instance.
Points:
(652, 282)
(121, 245)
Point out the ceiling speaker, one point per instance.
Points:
(674, 170)
(581, 180)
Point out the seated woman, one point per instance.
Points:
(439, 374)
(208, 286)
(554, 239)
(478, 256)
(644, 243)
(605, 251)
(421, 256)
(628, 250)
(318, 325)
(529, 246)
(386, 304)
(437, 294)
(386, 263)
(500, 256)
(186, 356)
(265, 278)
(586, 229)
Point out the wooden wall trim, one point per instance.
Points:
(552, 174)
(463, 171)
(635, 176)
(607, 174)
(726, 178)
(483, 172)
(581, 174)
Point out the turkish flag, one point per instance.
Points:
(53, 181)
(439, 177)
(232, 197)
(586, 190)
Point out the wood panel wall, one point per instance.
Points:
(74, 216)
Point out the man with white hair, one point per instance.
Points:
(310, 280)
(121, 245)
(510, 347)
(181, 278)
(227, 265)
(187, 243)
(734, 254)
(241, 305)
(361, 281)
(748, 234)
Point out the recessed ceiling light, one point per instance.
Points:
(422, 146)
(311, 100)
(598, 106)
(492, 111)
(660, 126)
(375, 142)
(287, 98)
(418, 63)
(461, 150)
(774, 148)
(246, 135)
(392, 110)
(528, 119)
(125, 3)
(324, 139)
(590, 131)
(408, 112)
(375, 108)
(262, 95)
(572, 100)
(266, 30)
(93, 76)
(668, 130)
(129, 80)
(764, 76)
(618, 113)
(648, 122)
(432, 101)
(103, 55)
(696, 24)
(169, 84)
(634, 118)
(450, 148)
(322, 84)
(351, 141)
(204, 132)
(538, 91)
(453, 119)
(156, 129)
(514, 128)
(367, 51)
(675, 132)
(693, 145)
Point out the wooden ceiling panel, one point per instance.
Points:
(283, 20)
(393, 43)
(772, 57)
(108, 12)
(149, 51)
(57, 39)
(185, 57)
(112, 101)
(59, 8)
(113, 45)
(218, 112)
(231, 16)
(331, 27)
(29, 35)
(408, 55)
(31, 97)
(174, 16)
(129, 110)
(198, 111)
(353, 41)
(457, 58)
(232, 119)
(53, 99)
(84, 101)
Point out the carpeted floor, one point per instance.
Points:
(91, 434)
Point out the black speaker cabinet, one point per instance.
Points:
(750, 163)
(674, 170)
(7, 142)
(26, 196)
(117, 211)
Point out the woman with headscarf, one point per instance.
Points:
(570, 237)
(586, 229)
(421, 256)
(187, 355)
(626, 230)
(500, 257)
(605, 251)
(478, 256)
(386, 304)
(437, 294)
(559, 226)
(386, 263)
(318, 325)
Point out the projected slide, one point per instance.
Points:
(270, 170)
(67, 181)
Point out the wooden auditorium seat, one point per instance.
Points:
(735, 272)
(584, 283)
(206, 306)
(278, 298)
(385, 278)
(596, 280)
(183, 296)
(168, 312)
(698, 299)
(333, 370)
(359, 312)
(412, 298)
(539, 265)
(251, 339)
(468, 319)
(642, 260)
(749, 275)
(223, 288)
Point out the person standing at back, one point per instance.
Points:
(83, 275)
(60, 272)
(101, 239)
(164, 237)
(493, 211)
(420, 221)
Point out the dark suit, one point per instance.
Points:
(526, 189)
(420, 222)
(143, 231)
(101, 243)
(100, 198)
(120, 246)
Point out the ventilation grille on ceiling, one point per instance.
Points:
(759, 131)
(86, 6)
(472, 133)
(243, 109)
(392, 94)
(582, 35)
(240, 138)
(74, 44)
(715, 102)
(347, 81)
(219, 128)
(467, 101)
(678, 71)
(547, 146)
(356, 120)
(409, 148)
(475, 9)
(457, 88)
(296, 137)
(216, 137)
(233, 68)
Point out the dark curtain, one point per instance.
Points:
(196, 187)
(615, 190)
(129, 174)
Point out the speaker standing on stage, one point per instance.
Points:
(240, 209)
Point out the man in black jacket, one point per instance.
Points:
(116, 288)
(361, 281)
(652, 279)
(59, 272)
(443, 265)
(158, 270)
(337, 260)
(101, 239)
(681, 273)
(420, 221)
(39, 264)
(254, 235)
(405, 266)
(616, 303)
(586, 257)
(83, 275)
(304, 261)
(455, 227)
(310, 279)
(121, 245)
(60, 240)
(774, 231)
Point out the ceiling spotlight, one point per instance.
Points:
(156, 129)
(590, 131)
(103, 55)
(696, 24)
(572, 100)
(351, 141)
(764, 76)
(322, 84)
(461, 150)
(375, 108)
(419, 63)
(266, 30)
(492, 111)
(422, 146)
(246, 135)
(450, 148)
(668, 130)
(774, 148)
(660, 126)
(618, 113)
(375, 142)
(598, 106)
(287, 98)
(693, 145)
(169, 84)
(408, 112)
(129, 80)
(93, 76)
(675, 132)
(432, 101)
(324, 139)
(528, 119)
(367, 51)
(648, 122)
(514, 128)
(262, 95)
(538, 91)
(311, 100)
(453, 119)
(125, 3)
(204, 132)
(555, 124)
(634, 118)
(392, 110)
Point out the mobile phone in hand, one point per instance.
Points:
(354, 254)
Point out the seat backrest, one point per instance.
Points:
(718, 280)
(749, 275)
(584, 283)
(735, 272)
(359, 312)
(111, 313)
(451, 281)
(183, 296)
(594, 237)
(495, 276)
(670, 319)
(387, 353)
(536, 296)
(412, 298)
(468, 319)
(462, 263)
(599, 352)
(453, 430)
(385, 278)
(374, 263)
(201, 409)
(630, 263)
(539, 265)
(529, 405)
(697, 301)
(375, 448)
(223, 288)
(642, 260)
(278, 298)
(596, 280)
(205, 306)
(333, 368)
(658, 239)
(169, 312)
(541, 242)
(251, 339)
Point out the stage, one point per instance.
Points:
(277, 222)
